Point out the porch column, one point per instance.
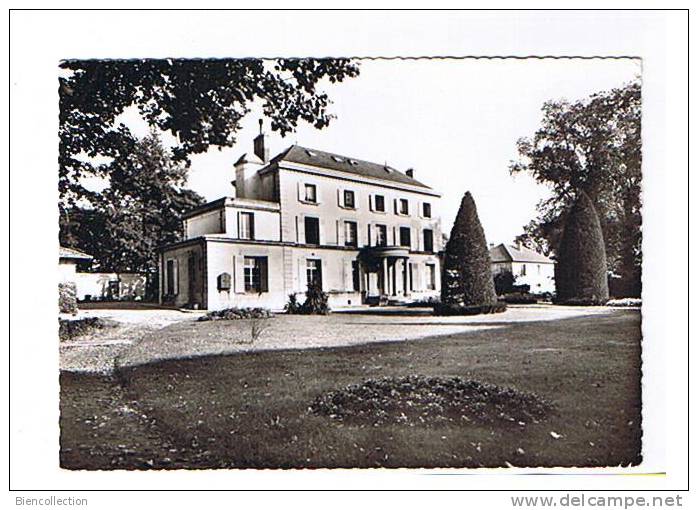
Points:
(386, 280)
(405, 276)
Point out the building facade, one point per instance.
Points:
(527, 266)
(366, 233)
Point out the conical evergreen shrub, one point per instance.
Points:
(468, 285)
(581, 273)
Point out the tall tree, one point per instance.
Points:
(580, 272)
(140, 210)
(467, 273)
(592, 145)
(200, 102)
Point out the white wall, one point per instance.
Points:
(66, 271)
(540, 277)
(332, 215)
(96, 285)
(211, 222)
(266, 223)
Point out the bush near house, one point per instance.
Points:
(468, 284)
(581, 272)
(236, 313)
(67, 298)
(316, 302)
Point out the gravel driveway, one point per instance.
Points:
(189, 339)
(145, 335)
(96, 352)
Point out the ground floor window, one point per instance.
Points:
(256, 274)
(431, 276)
(313, 271)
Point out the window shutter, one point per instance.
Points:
(300, 221)
(340, 233)
(302, 281)
(301, 189)
(239, 225)
(264, 274)
(395, 205)
(339, 197)
(371, 204)
(239, 274)
(370, 229)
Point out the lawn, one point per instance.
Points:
(251, 409)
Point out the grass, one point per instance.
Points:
(252, 409)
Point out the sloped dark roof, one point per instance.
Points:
(314, 157)
(509, 253)
(71, 253)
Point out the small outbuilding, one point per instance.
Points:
(68, 260)
(527, 266)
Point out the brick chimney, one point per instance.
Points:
(260, 150)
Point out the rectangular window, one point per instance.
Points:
(426, 210)
(312, 230)
(431, 276)
(355, 275)
(246, 227)
(255, 274)
(381, 235)
(404, 206)
(311, 193)
(313, 271)
(349, 199)
(523, 269)
(350, 235)
(405, 238)
(379, 203)
(428, 240)
(170, 288)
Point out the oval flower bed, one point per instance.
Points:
(421, 400)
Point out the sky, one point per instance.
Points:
(456, 122)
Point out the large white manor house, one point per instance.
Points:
(365, 232)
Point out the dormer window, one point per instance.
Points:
(310, 153)
(337, 159)
(353, 162)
